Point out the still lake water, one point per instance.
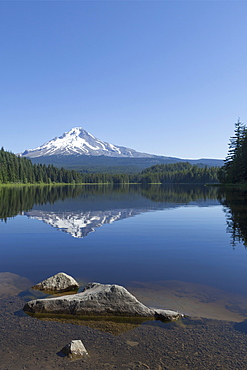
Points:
(123, 235)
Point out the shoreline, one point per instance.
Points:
(29, 343)
(196, 342)
(191, 299)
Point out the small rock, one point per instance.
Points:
(75, 349)
(60, 282)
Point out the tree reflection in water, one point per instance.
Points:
(15, 200)
(234, 201)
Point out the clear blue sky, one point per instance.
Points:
(162, 77)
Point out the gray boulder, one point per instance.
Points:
(99, 300)
(96, 299)
(60, 282)
(75, 349)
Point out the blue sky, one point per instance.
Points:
(162, 77)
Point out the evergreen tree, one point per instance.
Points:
(235, 167)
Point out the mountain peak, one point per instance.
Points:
(78, 141)
(76, 131)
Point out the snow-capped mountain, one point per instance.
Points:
(78, 141)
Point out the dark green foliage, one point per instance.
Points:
(182, 172)
(235, 167)
(14, 169)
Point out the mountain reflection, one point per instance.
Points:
(80, 224)
(235, 207)
(79, 210)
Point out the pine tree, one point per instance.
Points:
(234, 168)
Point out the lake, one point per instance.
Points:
(121, 234)
(176, 246)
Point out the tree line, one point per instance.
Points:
(181, 172)
(16, 169)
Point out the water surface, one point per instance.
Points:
(169, 238)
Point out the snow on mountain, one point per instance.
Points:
(78, 141)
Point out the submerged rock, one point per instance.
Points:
(60, 282)
(96, 299)
(12, 284)
(75, 349)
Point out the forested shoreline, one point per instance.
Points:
(19, 170)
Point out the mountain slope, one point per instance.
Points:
(78, 141)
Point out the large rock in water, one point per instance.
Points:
(96, 299)
(60, 282)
